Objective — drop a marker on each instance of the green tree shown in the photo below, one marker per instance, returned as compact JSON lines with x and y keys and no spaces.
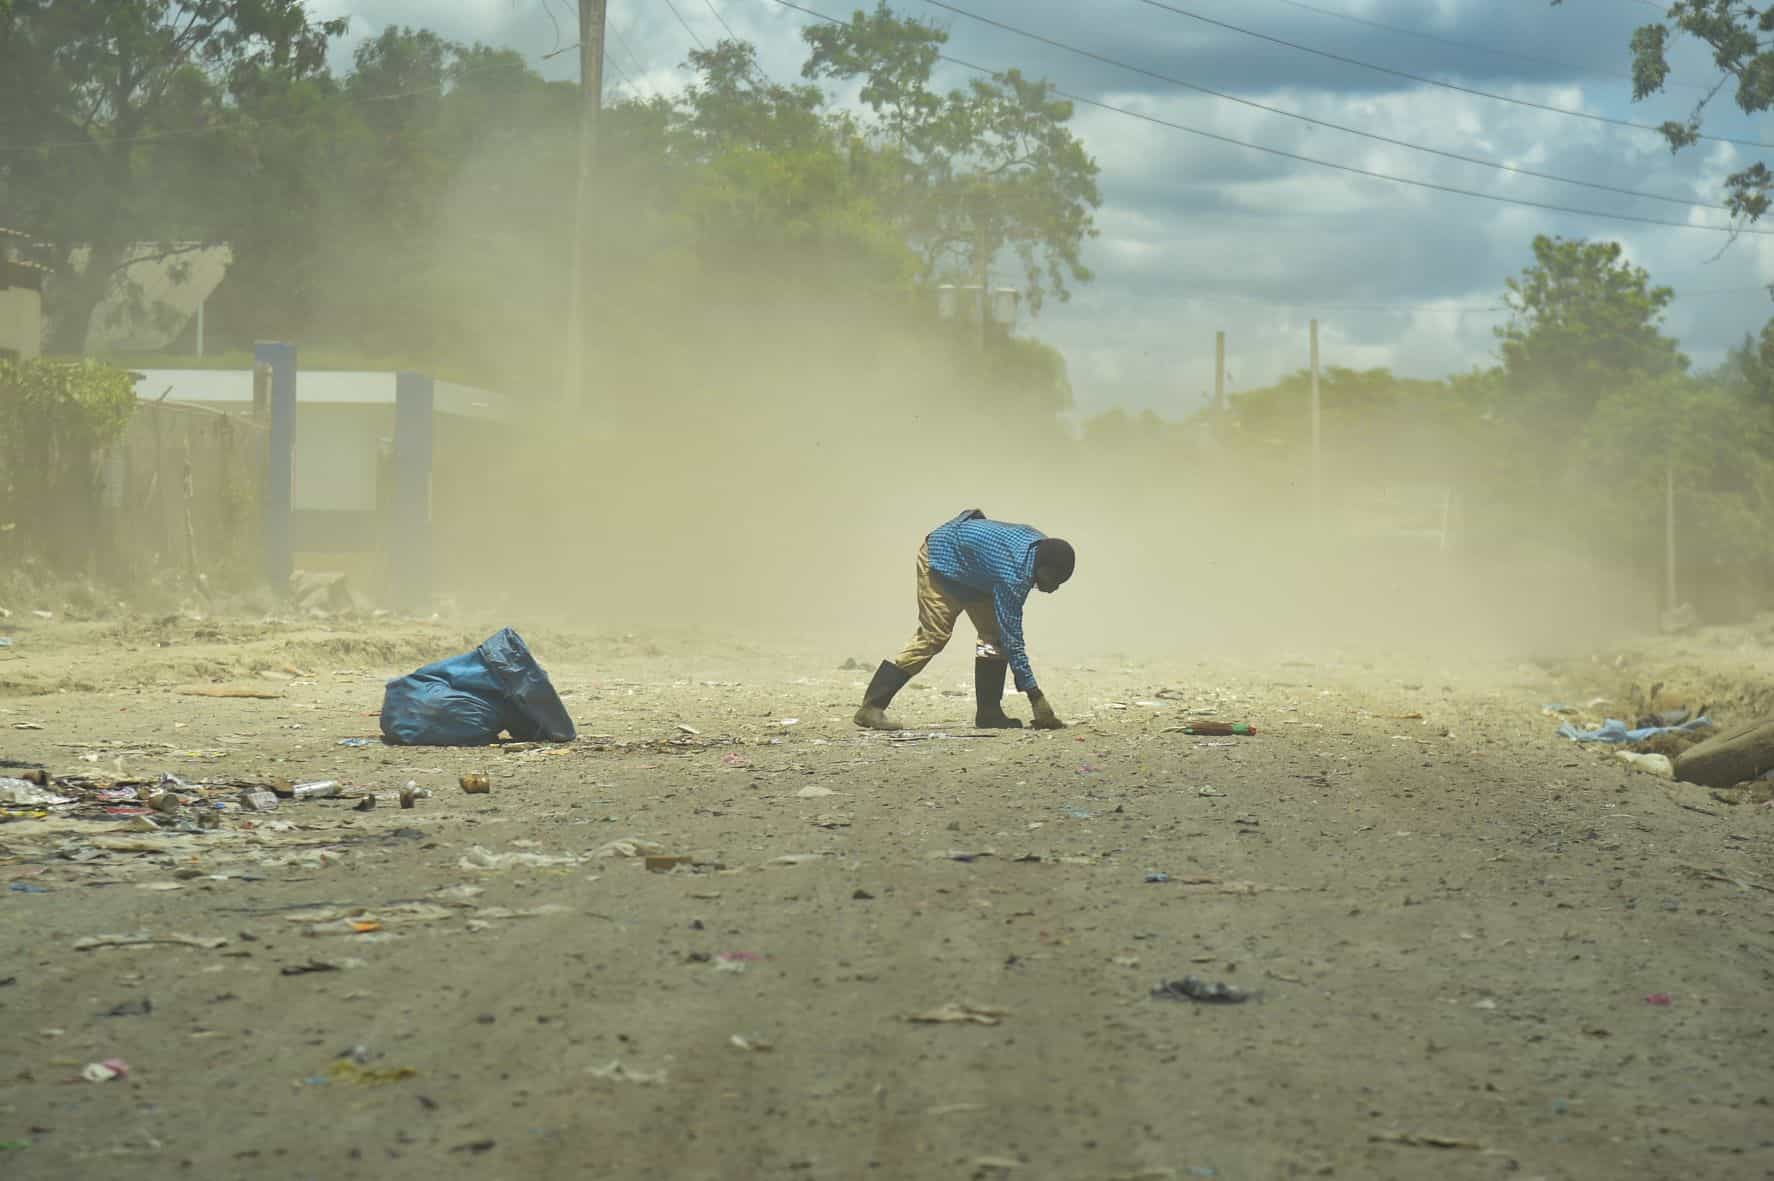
{"x":1738,"y":35}
{"x":1584,"y":322}
{"x":974,"y":171}
{"x":91,"y":90}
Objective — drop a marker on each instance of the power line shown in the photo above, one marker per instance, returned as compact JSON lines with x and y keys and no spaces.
{"x":1427,"y":81}
{"x":634,"y":59}
{"x":1385,"y":139}
{"x":685,"y":23}
{"x":1348,"y":168}
{"x":1472,"y":45}
{"x":717,"y":15}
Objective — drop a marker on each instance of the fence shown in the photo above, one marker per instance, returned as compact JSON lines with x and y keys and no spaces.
{"x":181,"y":492}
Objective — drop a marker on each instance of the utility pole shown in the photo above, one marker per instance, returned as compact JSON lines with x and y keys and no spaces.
{"x":1317,"y":456}
{"x":1669,"y":599}
{"x":985,"y":299}
{"x":1219,"y":385}
{"x":591,"y":93}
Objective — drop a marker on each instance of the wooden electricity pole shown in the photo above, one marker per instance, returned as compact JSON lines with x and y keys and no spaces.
{"x":1219,"y":384}
{"x":591,"y":92}
{"x":1669,"y":597}
{"x":1317,"y":459}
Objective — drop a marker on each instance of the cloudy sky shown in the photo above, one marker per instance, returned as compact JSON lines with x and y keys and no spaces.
{"x":1199,"y":235}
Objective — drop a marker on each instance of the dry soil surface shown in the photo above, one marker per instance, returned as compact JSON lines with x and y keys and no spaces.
{"x":1470,"y":948}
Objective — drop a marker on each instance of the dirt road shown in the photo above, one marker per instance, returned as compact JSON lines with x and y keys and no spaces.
{"x":1472,"y":949}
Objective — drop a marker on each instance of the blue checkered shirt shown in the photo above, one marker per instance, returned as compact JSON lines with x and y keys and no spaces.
{"x":997,"y":559}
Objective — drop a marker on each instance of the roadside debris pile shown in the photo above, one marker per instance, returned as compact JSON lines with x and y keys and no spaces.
{"x":1685,"y":744}
{"x":168,"y":802}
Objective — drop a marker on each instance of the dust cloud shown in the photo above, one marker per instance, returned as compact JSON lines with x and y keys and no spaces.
{"x":775,"y":485}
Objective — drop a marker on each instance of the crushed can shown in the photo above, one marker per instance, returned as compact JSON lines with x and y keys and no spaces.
{"x":257,"y":800}
{"x":475,"y":783}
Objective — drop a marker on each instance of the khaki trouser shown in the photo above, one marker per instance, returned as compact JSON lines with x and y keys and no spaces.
{"x":938,"y":610}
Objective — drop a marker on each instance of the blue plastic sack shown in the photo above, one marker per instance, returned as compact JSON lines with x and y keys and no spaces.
{"x":469,"y":700}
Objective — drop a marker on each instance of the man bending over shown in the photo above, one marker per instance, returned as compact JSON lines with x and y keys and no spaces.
{"x":987,"y":569}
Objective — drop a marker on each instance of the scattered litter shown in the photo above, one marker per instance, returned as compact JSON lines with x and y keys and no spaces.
{"x":752,"y":1043}
{"x":629,"y":847}
{"x":995,"y":1164}
{"x":614,"y":1071}
{"x":367,"y":804}
{"x":476,"y":783}
{"x":926,"y":736}
{"x":789,"y":722}
{"x":147,"y":939}
{"x":1661,"y":999}
{"x":23,"y":792}
{"x":1422,"y":1140}
{"x":27,"y":888}
{"x":104,"y":1072}
{"x":319,"y":790}
{"x":1193,"y":988}
{"x":257,"y":800}
{"x":1655,"y":764}
{"x":310,"y":967}
{"x":814,"y":792}
{"x":478,"y":857}
{"x":359,"y":742}
{"x":690,"y":730}
{"x":345,"y":1070}
{"x":469,"y":700}
{"x":1210,"y":790}
{"x":796,"y":859}
{"x":960,"y":1014}
{"x":139,"y":1008}
{"x":1214,"y":729}
{"x":1157,"y":876}
{"x":1615,"y":731}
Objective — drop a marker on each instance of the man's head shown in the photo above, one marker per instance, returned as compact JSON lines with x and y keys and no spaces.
{"x":1054,"y":560}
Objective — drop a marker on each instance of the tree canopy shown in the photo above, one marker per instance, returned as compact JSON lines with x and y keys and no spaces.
{"x":1584,"y":321}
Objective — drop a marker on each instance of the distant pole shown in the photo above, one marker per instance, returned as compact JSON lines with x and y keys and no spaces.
{"x":591,"y":91}
{"x":1317,"y":452}
{"x":1219,"y":373}
{"x":1219,"y":382}
{"x":276,"y":499}
{"x":200,"y":304}
{"x":1669,"y":600}
{"x":985,"y":304}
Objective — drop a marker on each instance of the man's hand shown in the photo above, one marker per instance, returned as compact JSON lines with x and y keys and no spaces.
{"x":1045,"y":718}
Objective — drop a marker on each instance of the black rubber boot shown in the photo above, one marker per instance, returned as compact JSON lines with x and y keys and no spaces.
{"x":888,"y":680}
{"x":988,"y":692}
